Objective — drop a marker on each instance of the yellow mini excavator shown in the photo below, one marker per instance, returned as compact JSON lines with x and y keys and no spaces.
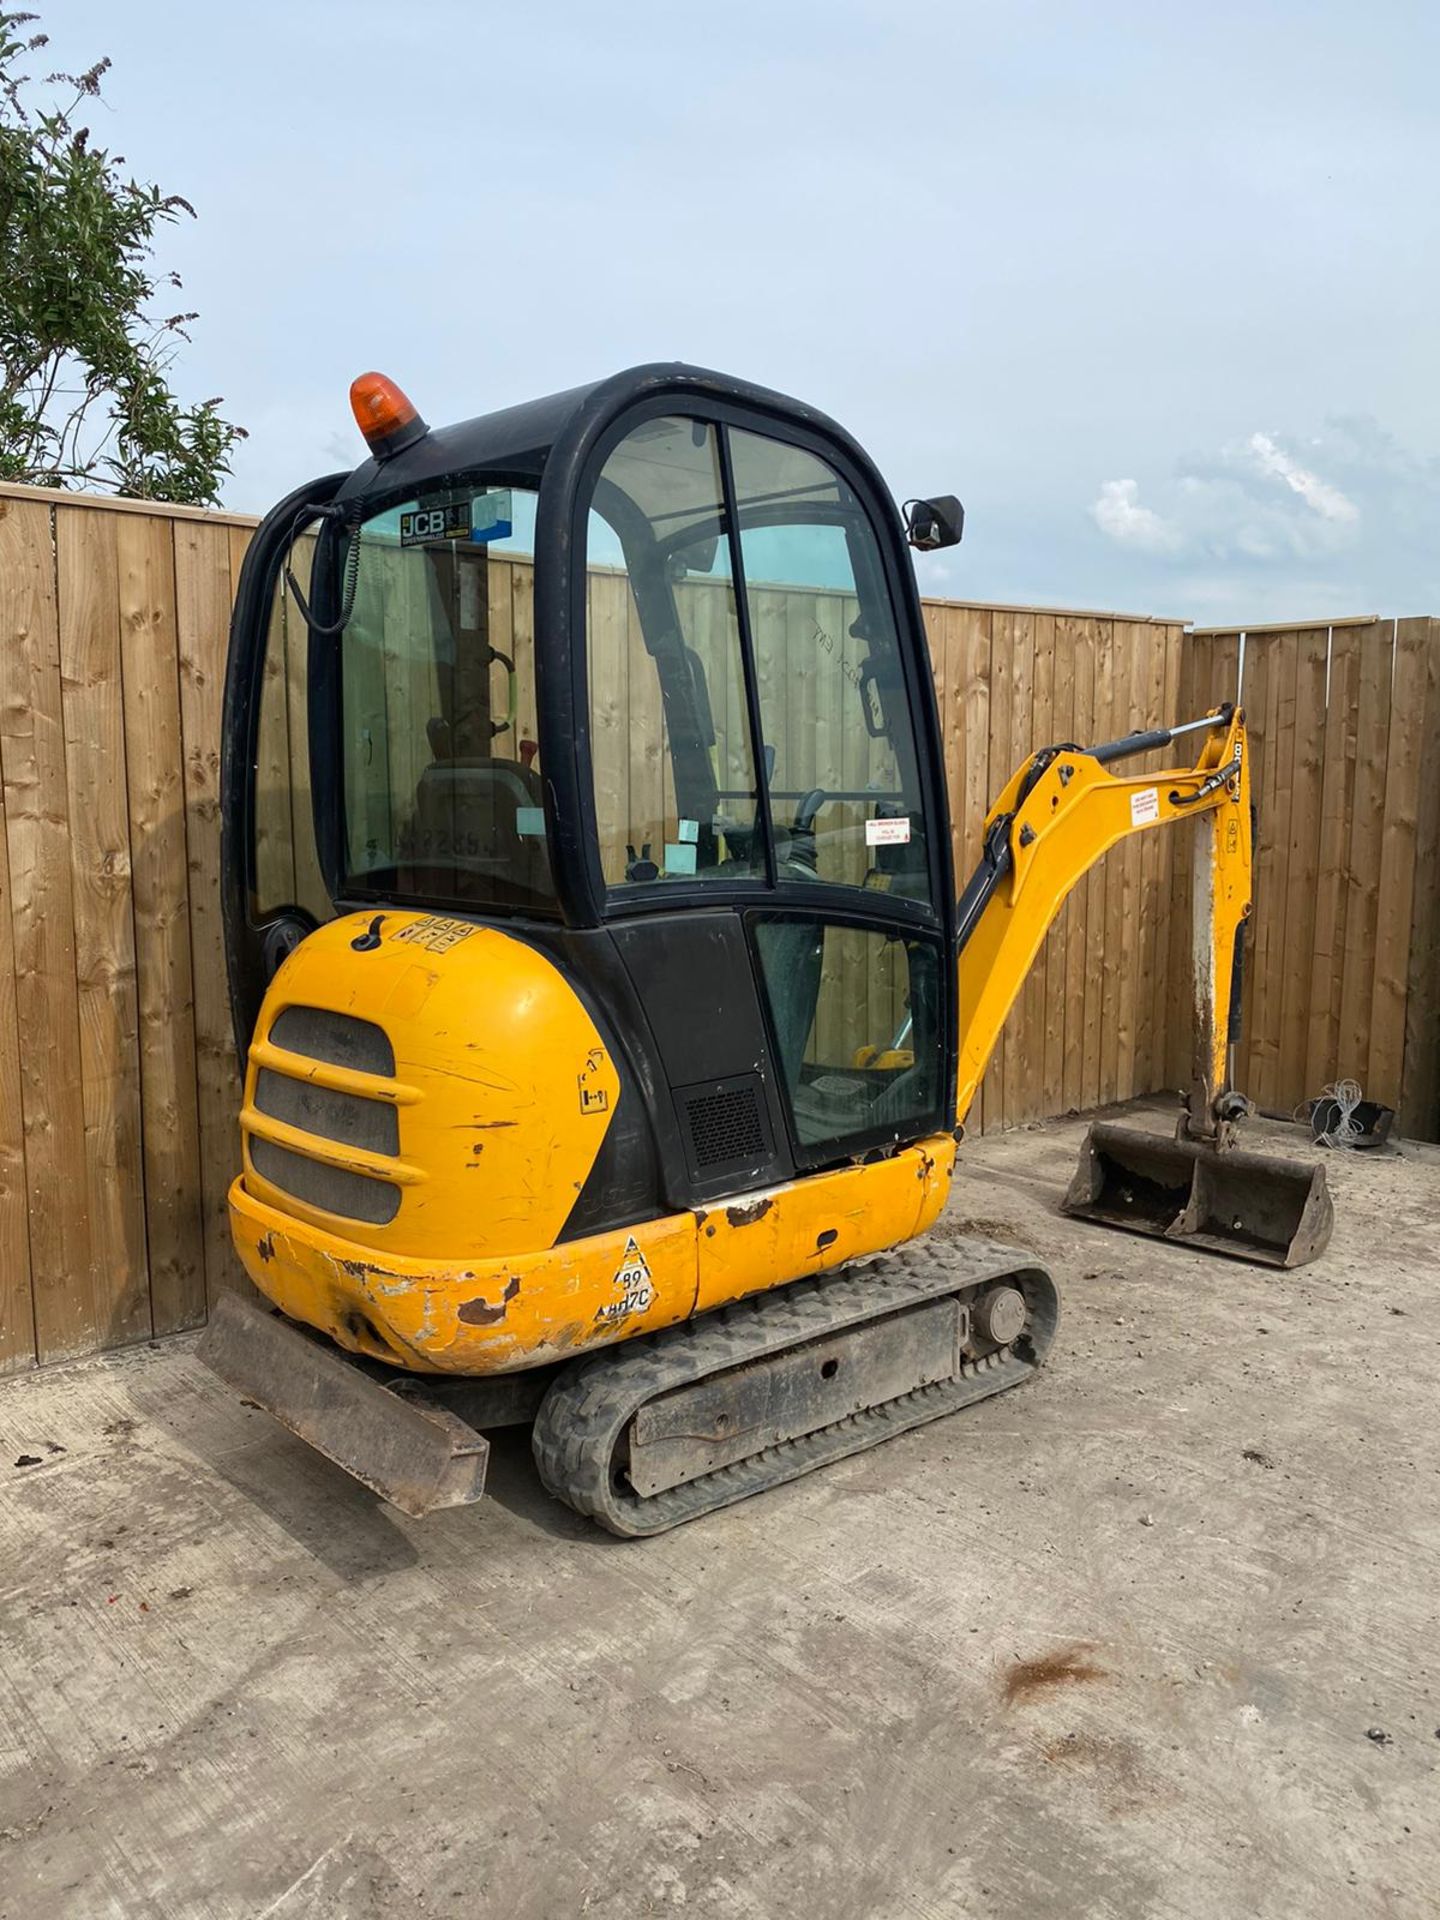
{"x":608,"y":1041}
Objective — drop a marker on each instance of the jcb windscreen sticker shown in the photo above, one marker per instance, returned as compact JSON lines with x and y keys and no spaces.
{"x":435,"y":933}
{"x":450,"y":521}
{"x":1144,"y":806}
{"x":637,"y":1292}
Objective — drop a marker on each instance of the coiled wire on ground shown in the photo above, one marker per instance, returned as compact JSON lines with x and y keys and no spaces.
{"x":1347,"y":1130}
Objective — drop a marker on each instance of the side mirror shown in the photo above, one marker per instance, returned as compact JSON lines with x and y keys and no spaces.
{"x":934,"y":523}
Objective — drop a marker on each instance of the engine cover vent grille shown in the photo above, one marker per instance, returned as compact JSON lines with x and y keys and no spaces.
{"x":338,"y":1039}
{"x":352,"y":1196}
{"x":347,"y":1117}
{"x":727,"y":1128}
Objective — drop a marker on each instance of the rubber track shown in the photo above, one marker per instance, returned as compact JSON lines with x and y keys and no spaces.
{"x":584,"y":1416}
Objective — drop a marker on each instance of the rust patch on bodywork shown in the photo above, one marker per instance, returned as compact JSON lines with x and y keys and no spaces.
{"x":479,"y":1313}
{"x":358,"y":1269}
{"x":746,"y":1212}
{"x":265,"y":1247}
{"x":1068,"y":1667}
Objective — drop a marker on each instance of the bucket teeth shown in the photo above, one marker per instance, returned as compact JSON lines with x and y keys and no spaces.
{"x":1251,"y":1206}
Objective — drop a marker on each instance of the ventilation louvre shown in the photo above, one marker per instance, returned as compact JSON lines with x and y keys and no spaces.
{"x":350,"y":1196}
{"x":338,"y":1039}
{"x":349,"y":1118}
{"x":727,"y":1128}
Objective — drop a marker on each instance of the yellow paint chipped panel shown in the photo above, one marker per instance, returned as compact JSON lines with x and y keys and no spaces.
{"x":498,"y":1315}
{"x":809,"y":1226}
{"x":473,"y":1315}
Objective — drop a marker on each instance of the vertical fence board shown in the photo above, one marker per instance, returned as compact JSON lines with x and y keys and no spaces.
{"x":1112,"y":700}
{"x":173,"y":1202}
{"x":203,"y":587}
{"x":1034,"y":997}
{"x":1015,"y":1041}
{"x":1060,"y":729}
{"x":1367,"y":826}
{"x":32,"y":763}
{"x":1397,"y":862}
{"x":1078,"y":636}
{"x":17,"y":1309}
{"x":1337,"y":797}
{"x":95,"y":756}
{"x":1420,"y":1085}
{"x":1263,"y":671}
{"x":1131,"y":686}
{"x":1158,"y":863}
{"x":1302,"y":859}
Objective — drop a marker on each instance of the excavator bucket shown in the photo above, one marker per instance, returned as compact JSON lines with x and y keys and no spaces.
{"x":1252,"y":1206}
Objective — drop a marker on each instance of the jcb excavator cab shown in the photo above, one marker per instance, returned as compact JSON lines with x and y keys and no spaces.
{"x":637,"y":673}
{"x":596,"y":962}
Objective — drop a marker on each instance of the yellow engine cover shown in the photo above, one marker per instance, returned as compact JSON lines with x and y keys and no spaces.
{"x":424,"y":1100}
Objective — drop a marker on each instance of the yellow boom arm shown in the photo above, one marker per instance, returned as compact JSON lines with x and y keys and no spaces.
{"x":1059,"y":812}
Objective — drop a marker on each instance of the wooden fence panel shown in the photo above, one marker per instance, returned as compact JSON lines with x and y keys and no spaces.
{"x":99,"y":817}
{"x":32,"y":770}
{"x":1337,"y":796}
{"x":1397,"y":862}
{"x":1343,"y":963}
{"x":207,"y":567}
{"x":1420,"y":1084}
{"x":162,"y":924}
{"x":17,"y":1313}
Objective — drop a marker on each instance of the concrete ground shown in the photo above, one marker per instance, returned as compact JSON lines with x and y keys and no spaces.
{"x":1153,"y":1636}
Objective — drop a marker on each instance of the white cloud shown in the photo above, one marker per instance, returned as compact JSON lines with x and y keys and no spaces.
{"x":1317,"y":494}
{"x":1119,"y":515}
{"x":1253,"y":505}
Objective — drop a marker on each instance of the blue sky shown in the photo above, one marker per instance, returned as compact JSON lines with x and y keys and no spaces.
{"x":1155,"y":288}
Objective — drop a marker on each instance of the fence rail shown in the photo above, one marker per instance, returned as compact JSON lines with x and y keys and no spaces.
{"x":118,"y":1087}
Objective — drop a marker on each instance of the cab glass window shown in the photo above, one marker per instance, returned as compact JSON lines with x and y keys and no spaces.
{"x":838,"y":739}
{"x":442,"y":786}
{"x":855,"y":1014}
{"x":673,"y":762}
{"x":287,"y":861}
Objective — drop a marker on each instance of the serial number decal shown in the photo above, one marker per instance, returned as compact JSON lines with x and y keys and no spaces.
{"x":435,"y":933}
{"x":633,"y":1277}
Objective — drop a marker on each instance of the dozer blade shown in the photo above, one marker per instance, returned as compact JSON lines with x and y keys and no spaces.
{"x":414,"y":1454}
{"x":1252,"y":1206}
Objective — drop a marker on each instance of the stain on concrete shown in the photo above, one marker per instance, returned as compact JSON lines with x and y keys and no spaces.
{"x":1067,"y":1667}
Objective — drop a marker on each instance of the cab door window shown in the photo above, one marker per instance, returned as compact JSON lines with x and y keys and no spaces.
{"x":839,"y":743}
{"x":855,"y":1013}
{"x":670,"y":746}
